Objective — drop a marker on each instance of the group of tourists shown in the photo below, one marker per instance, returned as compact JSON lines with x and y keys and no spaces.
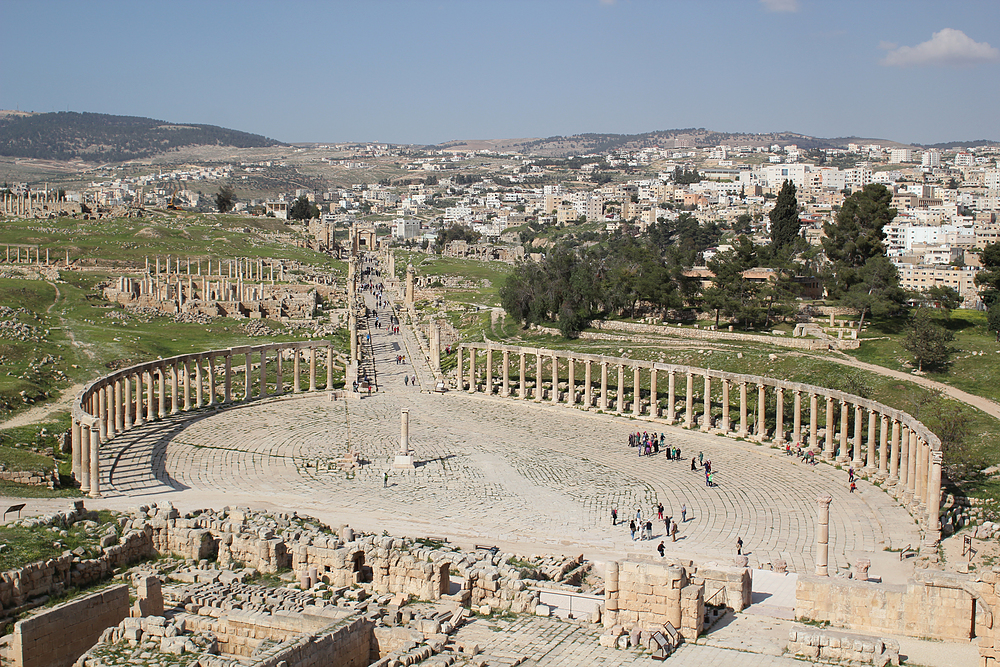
{"x":644,"y":529}
{"x":651,"y":444}
{"x":805,"y":455}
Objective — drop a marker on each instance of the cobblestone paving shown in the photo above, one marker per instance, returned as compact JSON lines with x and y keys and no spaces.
{"x":556,"y":643}
{"x":500,"y":470}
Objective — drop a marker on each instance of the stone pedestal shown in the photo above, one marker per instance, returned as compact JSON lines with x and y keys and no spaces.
{"x":404,"y":459}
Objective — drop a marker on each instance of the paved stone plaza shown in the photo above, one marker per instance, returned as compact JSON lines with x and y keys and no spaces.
{"x":499,"y":471}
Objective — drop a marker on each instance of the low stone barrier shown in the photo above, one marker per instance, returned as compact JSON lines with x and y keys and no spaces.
{"x":59,"y":636}
{"x":835,"y":646}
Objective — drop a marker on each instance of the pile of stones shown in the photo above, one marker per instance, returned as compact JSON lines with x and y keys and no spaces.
{"x":853,"y":649}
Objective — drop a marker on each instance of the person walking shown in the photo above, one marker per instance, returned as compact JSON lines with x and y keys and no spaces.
{"x":659,"y":511}
{"x":739,"y":546}
{"x":701,"y":457}
{"x":614,"y":516}
{"x":406,"y":380}
{"x":649,"y":530}
{"x":631,"y":527}
{"x":659,"y":547}
{"x":684,"y":511}
{"x":694,"y":465}
{"x":673,"y":532}
{"x":666,"y":525}
{"x":385,"y":479}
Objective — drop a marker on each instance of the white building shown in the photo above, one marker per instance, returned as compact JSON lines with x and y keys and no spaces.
{"x":406,"y":228}
{"x":900,"y":155}
{"x":931,"y":158}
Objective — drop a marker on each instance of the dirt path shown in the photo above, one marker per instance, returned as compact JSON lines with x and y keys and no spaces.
{"x":991,"y":408}
{"x":41,"y":412}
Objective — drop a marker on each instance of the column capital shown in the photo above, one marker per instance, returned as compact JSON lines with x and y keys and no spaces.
{"x":824,"y":499}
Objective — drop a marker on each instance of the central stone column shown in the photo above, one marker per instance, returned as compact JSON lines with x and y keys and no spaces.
{"x":460,"y":369}
{"x":296,"y":371}
{"x":187,"y":384}
{"x":247,"y":377}
{"x":571,"y":381}
{"x":263,"y":373}
{"x":404,"y":459}
{"x":894,"y":454}
{"x":856,"y":461}
{"x":199,"y":398}
{"x":797,"y":418}
{"x":127,"y":397}
{"x":538,"y":377}
{"x":933,"y":533}
{"x":671,"y":395}
{"x":636,"y":392}
{"x":588,"y":379}
{"x":620,"y":395}
{"x":743,"y":409}
{"x":604,"y":386}
{"x":813,"y":420}
{"x":312,"y":372}
{"x":872,"y":461}
{"x":85,"y":439}
{"x":472,"y":369}
{"x":842,"y":455}
{"x":823,"y":535}
{"x":95,"y":464}
{"x":654,"y":408}
{"x":489,"y":370}
{"x":761,"y":409}
{"x":883,"y":448}
{"x":555,"y":379}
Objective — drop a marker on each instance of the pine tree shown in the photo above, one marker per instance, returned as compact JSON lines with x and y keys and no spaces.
{"x":785,"y":224}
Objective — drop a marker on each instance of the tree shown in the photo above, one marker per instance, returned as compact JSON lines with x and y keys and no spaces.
{"x":876,"y":291}
{"x":988,"y":278}
{"x":993,"y":319}
{"x":225,"y":199}
{"x":944,"y":297}
{"x":857,"y":235}
{"x":303,"y":209}
{"x":785,"y":224}
{"x":927,"y":340}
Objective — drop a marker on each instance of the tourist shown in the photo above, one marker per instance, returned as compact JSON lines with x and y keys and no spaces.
{"x":850,"y":475}
{"x":684,"y":511}
{"x":614,"y":516}
{"x":673,"y":532}
{"x":694,"y":466}
{"x":385,"y":479}
{"x":659,"y":547}
{"x":854,"y":487}
{"x":649,"y":530}
{"x":739,"y":546}
{"x":711,"y":479}
{"x":659,"y":511}
{"x":701,"y":457}
{"x":406,"y":380}
{"x":413,"y":380}
{"x":631,"y":527}
{"x":707,"y":477}
{"x":666,"y":525}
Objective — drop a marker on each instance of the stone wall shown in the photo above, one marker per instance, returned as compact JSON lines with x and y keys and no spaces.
{"x":346,"y":643}
{"x":649,"y":595}
{"x":932,"y":604}
{"x":707,"y":334}
{"x":61,"y":635}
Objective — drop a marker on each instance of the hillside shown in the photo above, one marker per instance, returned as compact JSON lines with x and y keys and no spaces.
{"x":96,"y":137}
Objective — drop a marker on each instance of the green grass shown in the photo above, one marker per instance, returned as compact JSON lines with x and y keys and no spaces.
{"x":28,"y":545}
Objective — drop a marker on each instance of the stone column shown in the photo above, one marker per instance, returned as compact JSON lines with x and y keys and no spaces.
{"x":296,"y":371}
{"x":636,"y":392}
{"x":570,"y":381}
{"x":187,"y":384}
{"x":920,"y":488}
{"x":654,"y":408}
{"x":604,"y":386}
{"x":823,"y":535}
{"x":489,"y":370}
{"x":904,"y":464}
{"x":522,"y":369}
{"x":912,"y":465}
{"x":813,"y":420}
{"x":95,"y":465}
{"x":932,"y":534}
{"x":588,"y":379}
{"x":248,"y":377}
{"x":162,"y":391}
{"x":263,"y":372}
{"x":797,"y":418}
{"x":538,"y":376}
{"x":671,"y":395}
{"x":151,"y":414}
{"x":894,"y":455}
{"x":761,"y":405}
{"x":555,"y":379}
{"x":725,"y":407}
{"x":330,"y":356}
{"x":435,"y":345}
{"x":312,"y":372}
{"x":199,"y":381}
{"x":856,"y":461}
{"x":472,"y":369}
{"x":620,"y":396}
{"x":76,"y":435}
{"x":842,"y":453}
{"x":828,"y":446}
{"x":689,"y":402}
{"x":174,"y":403}
{"x":871,"y":452}
{"x":114,"y":409}
{"x":743,"y":410}
{"x":228,"y":389}
{"x":460,"y":367}
{"x":779,"y":416}
{"x":102,"y":414}
{"x":505,"y":387}
{"x":883,"y":448}
{"x":129,"y":405}
{"x":86,"y":436}
{"x":706,"y":420}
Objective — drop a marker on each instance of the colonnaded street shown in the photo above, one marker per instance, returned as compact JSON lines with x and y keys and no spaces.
{"x":498,"y":471}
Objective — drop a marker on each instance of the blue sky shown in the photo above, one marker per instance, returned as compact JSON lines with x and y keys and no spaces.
{"x":425,"y":72}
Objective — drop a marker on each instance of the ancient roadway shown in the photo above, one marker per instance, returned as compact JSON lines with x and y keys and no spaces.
{"x":493,"y":470}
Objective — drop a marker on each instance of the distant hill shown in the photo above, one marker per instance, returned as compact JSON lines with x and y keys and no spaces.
{"x":581,"y":144}
{"x":97,"y":137}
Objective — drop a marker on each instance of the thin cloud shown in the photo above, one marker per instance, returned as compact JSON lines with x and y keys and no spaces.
{"x":607,"y":2}
{"x":947,"y":47}
{"x":780,"y":5}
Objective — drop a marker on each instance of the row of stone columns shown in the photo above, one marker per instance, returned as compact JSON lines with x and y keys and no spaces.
{"x":120,"y":403}
{"x":888,"y":449}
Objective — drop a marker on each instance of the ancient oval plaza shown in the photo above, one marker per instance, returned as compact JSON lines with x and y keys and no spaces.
{"x":527,"y":451}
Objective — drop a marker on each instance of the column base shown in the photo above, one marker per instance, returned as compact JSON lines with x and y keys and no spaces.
{"x":843,"y":459}
{"x":403,"y":462}
{"x":857,"y":465}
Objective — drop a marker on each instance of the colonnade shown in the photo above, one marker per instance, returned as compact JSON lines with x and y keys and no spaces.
{"x":888,"y":445}
{"x":147,"y":392}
